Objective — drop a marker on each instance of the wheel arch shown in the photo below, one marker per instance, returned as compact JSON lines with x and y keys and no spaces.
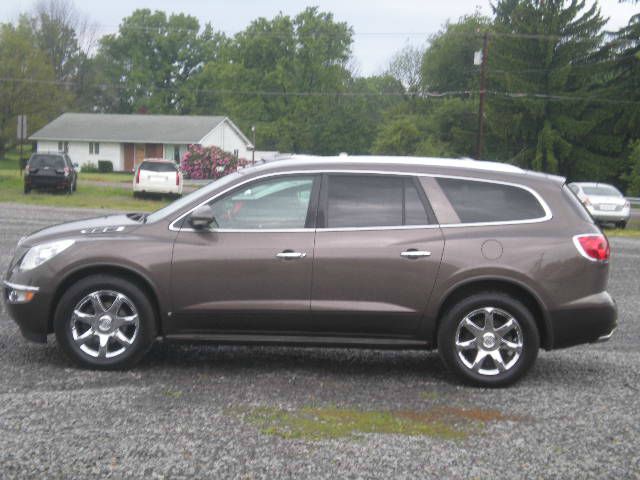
{"x":116,"y":270}
{"x":512,"y":287}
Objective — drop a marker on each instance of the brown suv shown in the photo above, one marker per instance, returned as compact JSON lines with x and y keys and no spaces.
{"x":484,"y":261}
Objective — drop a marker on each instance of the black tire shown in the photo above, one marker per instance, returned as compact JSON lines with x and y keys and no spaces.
{"x":27,"y":190}
{"x":75,"y":185}
{"x":529,"y":338}
{"x":621,"y":225}
{"x":142,"y":340}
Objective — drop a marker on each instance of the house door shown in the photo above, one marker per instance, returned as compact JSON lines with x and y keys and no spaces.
{"x":139,"y":154}
{"x":153,"y":150}
{"x":129,"y":154}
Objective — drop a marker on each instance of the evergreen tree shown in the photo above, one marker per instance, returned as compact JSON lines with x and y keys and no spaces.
{"x":542,"y":55}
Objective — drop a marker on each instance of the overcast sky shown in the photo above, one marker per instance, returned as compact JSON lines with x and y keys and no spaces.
{"x":382,"y":27}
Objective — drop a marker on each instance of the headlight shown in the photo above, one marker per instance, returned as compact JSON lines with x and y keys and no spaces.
{"x":41,"y":253}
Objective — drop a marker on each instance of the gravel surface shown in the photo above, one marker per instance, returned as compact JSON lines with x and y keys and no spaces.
{"x":179,"y":414}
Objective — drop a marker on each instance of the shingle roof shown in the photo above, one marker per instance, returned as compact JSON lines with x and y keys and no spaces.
{"x":128,"y":128}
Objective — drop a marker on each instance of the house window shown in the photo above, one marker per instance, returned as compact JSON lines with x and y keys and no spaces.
{"x":176,"y":153}
{"x":94,"y":148}
{"x":236,"y":153}
{"x":63,"y":147}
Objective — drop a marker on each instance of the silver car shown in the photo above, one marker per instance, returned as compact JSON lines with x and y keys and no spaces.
{"x":604,"y":202}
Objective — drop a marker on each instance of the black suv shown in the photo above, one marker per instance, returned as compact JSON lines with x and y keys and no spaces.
{"x":50,"y":170}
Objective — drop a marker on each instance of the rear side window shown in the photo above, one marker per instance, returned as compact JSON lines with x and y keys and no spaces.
{"x":158,"y":166}
{"x":52,"y":161}
{"x":356,"y":201}
{"x":479,"y":202}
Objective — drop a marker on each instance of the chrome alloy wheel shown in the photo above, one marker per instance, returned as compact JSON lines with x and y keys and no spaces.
{"x":104,"y":324}
{"x":489,"y":341}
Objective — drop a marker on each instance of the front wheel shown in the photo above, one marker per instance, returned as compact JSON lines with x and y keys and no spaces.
{"x":621,"y":225}
{"x":489,"y":339}
{"x":105,"y":322}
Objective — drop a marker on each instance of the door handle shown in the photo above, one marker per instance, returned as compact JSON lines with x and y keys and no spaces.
{"x":290,"y":255}
{"x":415,"y":254}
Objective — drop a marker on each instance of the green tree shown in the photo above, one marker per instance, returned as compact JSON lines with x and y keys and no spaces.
{"x":541,"y":56}
{"x":28,"y":85}
{"x":447,"y":64}
{"x":289,"y":77}
{"x":147,"y":65}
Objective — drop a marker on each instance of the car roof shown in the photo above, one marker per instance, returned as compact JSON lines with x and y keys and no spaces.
{"x":158,"y":160}
{"x":311,"y":160}
{"x":592,"y":184}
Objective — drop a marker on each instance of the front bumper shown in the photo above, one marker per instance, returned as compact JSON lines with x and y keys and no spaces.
{"x":587,"y":320}
{"x":31,"y":316}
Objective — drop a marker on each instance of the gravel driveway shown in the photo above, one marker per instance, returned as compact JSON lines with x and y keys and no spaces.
{"x":232,"y":412}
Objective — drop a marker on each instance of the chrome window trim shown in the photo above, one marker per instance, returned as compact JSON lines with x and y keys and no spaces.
{"x":24,"y":288}
{"x":548,"y":215}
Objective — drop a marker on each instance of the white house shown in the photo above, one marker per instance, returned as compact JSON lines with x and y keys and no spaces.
{"x":126,"y":140}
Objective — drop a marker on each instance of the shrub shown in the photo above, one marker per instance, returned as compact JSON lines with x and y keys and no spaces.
{"x":200,"y":162}
{"x":105,"y":166}
{"x":90,"y":167}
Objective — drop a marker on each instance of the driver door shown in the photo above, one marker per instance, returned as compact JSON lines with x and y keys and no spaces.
{"x":252,"y":270}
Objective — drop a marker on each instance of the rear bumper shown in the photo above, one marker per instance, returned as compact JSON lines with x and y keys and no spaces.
{"x":604,"y":216}
{"x":587,"y":320}
{"x":160,"y":188}
{"x":48,"y":182}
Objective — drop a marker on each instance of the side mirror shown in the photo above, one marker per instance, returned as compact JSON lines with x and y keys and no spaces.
{"x":202,"y":217}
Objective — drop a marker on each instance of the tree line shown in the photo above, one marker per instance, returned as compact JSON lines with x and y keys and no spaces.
{"x":562,"y":93}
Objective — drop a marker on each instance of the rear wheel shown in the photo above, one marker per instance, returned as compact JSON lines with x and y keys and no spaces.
{"x":621,"y":225}
{"x":105,"y":322}
{"x":489,"y":339}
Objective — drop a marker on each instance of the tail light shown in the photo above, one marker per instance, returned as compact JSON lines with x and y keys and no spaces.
{"x":594,"y":247}
{"x":138,"y":175}
{"x":177,"y":178}
{"x":66,"y":171}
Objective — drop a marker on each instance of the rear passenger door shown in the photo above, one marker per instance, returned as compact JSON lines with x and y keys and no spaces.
{"x":377,"y":254}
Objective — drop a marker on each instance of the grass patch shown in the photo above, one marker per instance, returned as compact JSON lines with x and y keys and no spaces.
{"x":627,"y":232}
{"x":447,"y":423}
{"x":111,"y":198}
{"x":120,"y":177}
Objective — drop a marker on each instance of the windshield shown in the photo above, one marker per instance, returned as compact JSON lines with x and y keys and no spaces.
{"x":158,"y":166}
{"x":183,"y":202}
{"x":602,"y":190}
{"x":40,"y":161}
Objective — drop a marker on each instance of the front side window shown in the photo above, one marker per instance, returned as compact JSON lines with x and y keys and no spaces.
{"x":277,"y":203}
{"x":484,"y":202}
{"x":360,"y":201}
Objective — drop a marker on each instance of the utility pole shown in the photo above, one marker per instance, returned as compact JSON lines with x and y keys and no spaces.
{"x":253,"y":151}
{"x":483,"y":92}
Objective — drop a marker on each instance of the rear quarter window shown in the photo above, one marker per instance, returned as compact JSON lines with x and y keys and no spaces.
{"x":576,"y":205}
{"x":481,"y":202}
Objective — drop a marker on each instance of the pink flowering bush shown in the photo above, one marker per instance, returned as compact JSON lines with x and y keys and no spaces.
{"x":208,"y":163}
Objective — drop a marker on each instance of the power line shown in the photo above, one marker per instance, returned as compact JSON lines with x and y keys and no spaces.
{"x":421,"y":94}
